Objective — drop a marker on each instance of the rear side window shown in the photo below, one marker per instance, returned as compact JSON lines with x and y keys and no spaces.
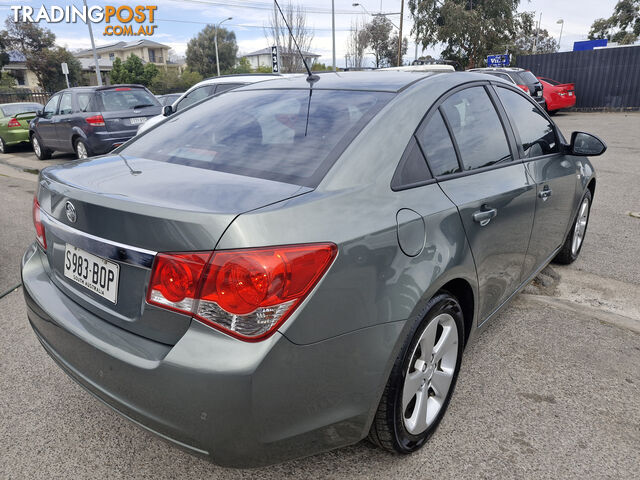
{"x":537,"y":135}
{"x":412,"y":170}
{"x":290,"y":136}
{"x":437,"y":146}
{"x":125,"y":98}
{"x":476,"y":128}
{"x":84,"y":101}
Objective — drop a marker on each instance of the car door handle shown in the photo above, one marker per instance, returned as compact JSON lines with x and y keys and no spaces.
{"x":545,"y":193}
{"x":483,"y":217}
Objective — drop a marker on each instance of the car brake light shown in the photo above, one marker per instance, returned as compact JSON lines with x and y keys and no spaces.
{"x":246,"y":293}
{"x":122,"y":89}
{"x":37,"y":223}
{"x":96,"y":120}
{"x":14,"y":123}
{"x":525,"y":88}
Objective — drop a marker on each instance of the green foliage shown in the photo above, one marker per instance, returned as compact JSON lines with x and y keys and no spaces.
{"x":170,"y":81}
{"x":320,"y":67}
{"x":243,"y":66}
{"x":7,"y":82}
{"x":263,"y":69}
{"x":623,"y":26}
{"x":201,"y":54}
{"x":132,"y":70}
{"x":469,"y":30}
{"x":384,"y":45}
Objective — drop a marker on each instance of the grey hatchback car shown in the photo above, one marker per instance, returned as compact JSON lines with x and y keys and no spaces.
{"x":307,"y":270}
{"x":91,"y":120}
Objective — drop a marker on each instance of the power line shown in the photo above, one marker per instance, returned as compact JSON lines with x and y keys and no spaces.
{"x":244,"y":25}
{"x":263,"y":6}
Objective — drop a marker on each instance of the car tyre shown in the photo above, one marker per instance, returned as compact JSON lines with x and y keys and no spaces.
{"x":41,"y":151}
{"x":405,"y":420}
{"x":82,"y":149}
{"x":575,"y":238}
{"x":3,"y":146}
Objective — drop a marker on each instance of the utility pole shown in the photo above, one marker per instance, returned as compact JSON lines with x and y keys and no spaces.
{"x":400,"y":33}
{"x":535,"y":43}
{"x":333,"y":32}
{"x":93,"y":47}
{"x":561,"y":22}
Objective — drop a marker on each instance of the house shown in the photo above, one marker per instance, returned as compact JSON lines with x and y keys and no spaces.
{"x":262,"y":58}
{"x":17,"y":68}
{"x":147,"y":50}
{"x":89,"y":70}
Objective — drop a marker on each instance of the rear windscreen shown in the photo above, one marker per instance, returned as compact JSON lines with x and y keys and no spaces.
{"x":284,"y":135}
{"x":528,"y":78}
{"x":126,"y":99}
{"x":11,"y":110}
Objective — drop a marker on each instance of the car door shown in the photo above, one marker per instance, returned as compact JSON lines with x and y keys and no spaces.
{"x":46,"y":128}
{"x":63,"y":123}
{"x":482,"y":176}
{"x":553,"y":173}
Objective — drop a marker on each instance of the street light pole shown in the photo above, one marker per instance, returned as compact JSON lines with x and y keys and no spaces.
{"x":333,"y":32}
{"x":400,"y":33}
{"x":215,"y":42}
{"x":93,"y":47}
{"x":561,"y":22}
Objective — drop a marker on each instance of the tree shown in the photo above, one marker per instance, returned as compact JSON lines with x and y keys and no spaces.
{"x":357,"y":42}
{"x":42,"y":57}
{"x":170,"y":81}
{"x":391,"y":55}
{"x":470,"y":29}
{"x":277,"y":33}
{"x":132,"y":70}
{"x":243,"y":66}
{"x":622,"y":27}
{"x":527,"y":36}
{"x":379,"y":34}
{"x":201,"y":53}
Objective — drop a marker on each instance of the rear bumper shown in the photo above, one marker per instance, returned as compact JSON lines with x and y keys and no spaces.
{"x":557,"y":102}
{"x":240,"y":404}
{"x":15,"y":135}
{"x":103,"y":142}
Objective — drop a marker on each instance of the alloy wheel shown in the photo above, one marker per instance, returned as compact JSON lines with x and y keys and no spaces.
{"x":1,"y":145}
{"x":36,"y":146}
{"x":81,"y":150}
{"x":430,"y":374}
{"x":580,"y":227}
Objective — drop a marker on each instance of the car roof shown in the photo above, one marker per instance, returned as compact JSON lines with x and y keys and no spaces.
{"x":242,"y":78}
{"x":497,"y":69}
{"x":382,"y":81}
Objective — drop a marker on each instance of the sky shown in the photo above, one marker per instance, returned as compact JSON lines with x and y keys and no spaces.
{"x":179,"y":20}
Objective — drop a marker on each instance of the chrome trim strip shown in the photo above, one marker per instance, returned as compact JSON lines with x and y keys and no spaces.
{"x":102,"y":247}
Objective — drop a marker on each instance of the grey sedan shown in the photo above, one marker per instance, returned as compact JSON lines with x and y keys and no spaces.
{"x":307,"y":270}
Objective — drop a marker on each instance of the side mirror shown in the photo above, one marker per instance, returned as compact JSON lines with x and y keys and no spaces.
{"x":584,"y":144}
{"x":167,"y":110}
{"x":39,"y":113}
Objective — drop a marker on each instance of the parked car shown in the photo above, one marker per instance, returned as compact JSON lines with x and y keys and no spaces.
{"x":299,"y":276}
{"x":169,"y":98}
{"x":205,"y":89}
{"x":524,"y":79}
{"x":91,"y":120}
{"x":14,"y":123}
{"x":558,"y":95}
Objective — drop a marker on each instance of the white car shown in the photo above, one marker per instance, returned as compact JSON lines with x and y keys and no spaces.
{"x":208,"y":88}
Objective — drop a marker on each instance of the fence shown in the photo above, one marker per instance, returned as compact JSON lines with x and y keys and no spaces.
{"x":606,"y":79}
{"x":20,"y":95}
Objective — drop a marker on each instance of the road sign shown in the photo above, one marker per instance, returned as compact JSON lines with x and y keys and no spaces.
{"x":65,"y":69}
{"x":275,"y":68}
{"x":498,"y":60}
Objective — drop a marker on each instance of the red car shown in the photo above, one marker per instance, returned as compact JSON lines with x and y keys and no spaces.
{"x":558,"y":95}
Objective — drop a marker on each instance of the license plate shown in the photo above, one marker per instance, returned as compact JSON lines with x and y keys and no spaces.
{"x":137,"y":120}
{"x":570,"y":94}
{"x":92,"y":272}
{"x":539,"y":93}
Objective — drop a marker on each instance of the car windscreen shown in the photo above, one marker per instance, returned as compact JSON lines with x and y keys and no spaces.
{"x":126,"y":98}
{"x":11,"y":110}
{"x":291,"y":136}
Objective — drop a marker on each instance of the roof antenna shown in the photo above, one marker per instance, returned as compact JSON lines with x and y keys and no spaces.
{"x":311,"y":78}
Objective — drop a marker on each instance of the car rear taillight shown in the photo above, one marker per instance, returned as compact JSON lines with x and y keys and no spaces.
{"x":525,"y":88}
{"x":37,"y":223}
{"x":14,"y":123}
{"x":96,"y":121}
{"x":246,"y":293}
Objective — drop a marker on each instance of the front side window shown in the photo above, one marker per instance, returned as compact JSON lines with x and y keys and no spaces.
{"x":537,"y":135}
{"x":66,"y":106}
{"x":51,"y":107}
{"x":477,"y":128}
{"x":194,"y":96}
{"x":289,"y":136}
{"x":437,"y":146}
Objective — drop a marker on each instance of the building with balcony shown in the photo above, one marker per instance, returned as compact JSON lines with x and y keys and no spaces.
{"x":147,"y":50}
